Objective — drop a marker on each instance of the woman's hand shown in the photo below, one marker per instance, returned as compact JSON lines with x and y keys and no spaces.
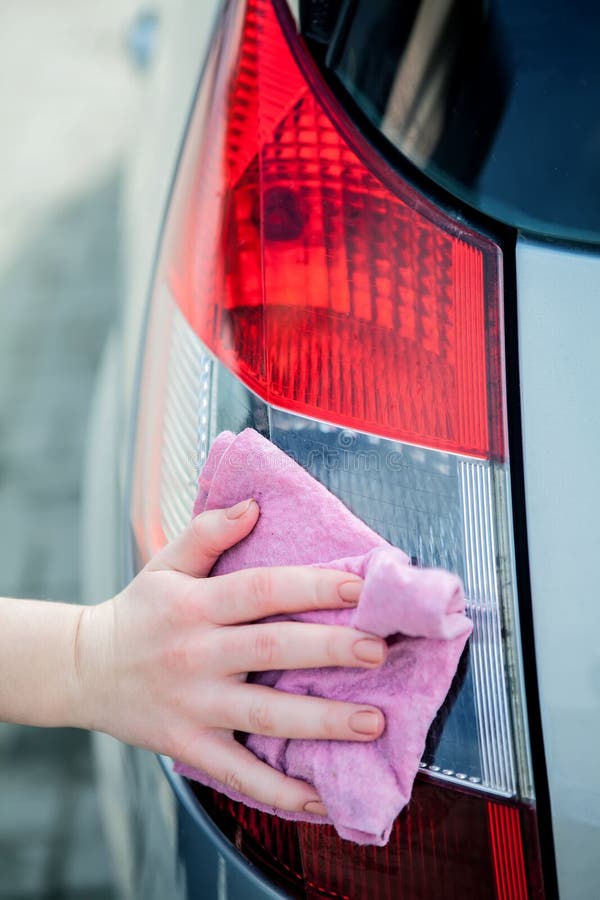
{"x":163,"y":665}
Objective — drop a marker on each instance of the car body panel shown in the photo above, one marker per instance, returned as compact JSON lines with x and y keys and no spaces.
{"x":138,"y":808}
{"x":559,"y":324}
{"x":184,"y":34}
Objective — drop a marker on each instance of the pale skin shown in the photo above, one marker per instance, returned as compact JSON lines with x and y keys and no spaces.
{"x":163,"y":664}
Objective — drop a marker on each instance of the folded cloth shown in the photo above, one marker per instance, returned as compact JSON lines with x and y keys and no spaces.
{"x":420,"y":611}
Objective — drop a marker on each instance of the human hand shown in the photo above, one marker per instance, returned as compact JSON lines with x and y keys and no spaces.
{"x":163,"y":665}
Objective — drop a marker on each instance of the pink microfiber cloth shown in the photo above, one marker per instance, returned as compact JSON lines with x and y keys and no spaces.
{"x":421,"y":611}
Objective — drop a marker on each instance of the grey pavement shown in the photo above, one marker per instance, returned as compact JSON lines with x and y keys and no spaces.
{"x":66,"y":94}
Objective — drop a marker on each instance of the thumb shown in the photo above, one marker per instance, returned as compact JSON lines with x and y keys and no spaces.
{"x":195,"y":551}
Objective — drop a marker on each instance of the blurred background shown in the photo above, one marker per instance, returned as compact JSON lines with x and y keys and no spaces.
{"x":69,"y":94}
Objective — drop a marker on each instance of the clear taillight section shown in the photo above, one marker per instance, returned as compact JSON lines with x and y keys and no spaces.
{"x":307,"y":291}
{"x":441,"y":508}
{"x":175,"y":427}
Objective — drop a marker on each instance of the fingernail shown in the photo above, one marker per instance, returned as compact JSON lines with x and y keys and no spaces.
{"x":315,"y":807}
{"x":365,"y":721}
{"x":237,"y":511}
{"x":349,"y":591}
{"x":369,"y":650}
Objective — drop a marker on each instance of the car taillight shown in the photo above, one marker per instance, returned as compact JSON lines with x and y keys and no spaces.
{"x":324,"y":281}
{"x":306,"y":290}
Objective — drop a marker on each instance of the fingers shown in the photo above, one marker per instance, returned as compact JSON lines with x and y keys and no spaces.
{"x":292,"y":645}
{"x":253,"y":594}
{"x":257,"y":709}
{"x":237,"y":768}
{"x":197,"y":549}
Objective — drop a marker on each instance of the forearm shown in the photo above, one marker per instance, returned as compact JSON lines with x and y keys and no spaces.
{"x":39,"y":682}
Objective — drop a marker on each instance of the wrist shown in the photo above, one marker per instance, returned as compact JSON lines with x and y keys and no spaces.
{"x":91,"y":667}
{"x":38,"y":678}
{"x":60,"y":702}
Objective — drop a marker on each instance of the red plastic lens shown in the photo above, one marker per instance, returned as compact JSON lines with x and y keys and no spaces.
{"x":446,"y":843}
{"x":330,"y":286}
{"x":507,"y":852}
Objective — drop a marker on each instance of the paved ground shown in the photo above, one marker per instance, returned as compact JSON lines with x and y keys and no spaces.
{"x":66,"y":95}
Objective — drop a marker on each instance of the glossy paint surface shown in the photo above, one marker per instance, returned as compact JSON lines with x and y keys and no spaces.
{"x":559,"y":323}
{"x":495,"y":101}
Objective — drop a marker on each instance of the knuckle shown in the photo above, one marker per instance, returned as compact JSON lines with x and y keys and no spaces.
{"x":187,"y":605}
{"x":320,"y":589}
{"x":205,"y":535}
{"x":282,"y":800}
{"x":333,"y":647}
{"x":260,"y":719}
{"x":232,"y":780}
{"x":333,"y":725}
{"x":265,"y":647}
{"x":212,"y":650}
{"x":176,"y":656}
{"x":259,"y":590}
{"x":198,"y":526}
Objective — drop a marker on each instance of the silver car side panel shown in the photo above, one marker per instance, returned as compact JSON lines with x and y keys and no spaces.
{"x":559,"y":352}
{"x":184,"y":34}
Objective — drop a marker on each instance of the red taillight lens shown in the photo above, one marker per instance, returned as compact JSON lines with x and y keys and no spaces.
{"x":446,"y":844}
{"x":328,"y":284}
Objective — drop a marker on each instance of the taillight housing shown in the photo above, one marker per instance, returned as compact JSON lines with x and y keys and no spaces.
{"x":306,"y":289}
